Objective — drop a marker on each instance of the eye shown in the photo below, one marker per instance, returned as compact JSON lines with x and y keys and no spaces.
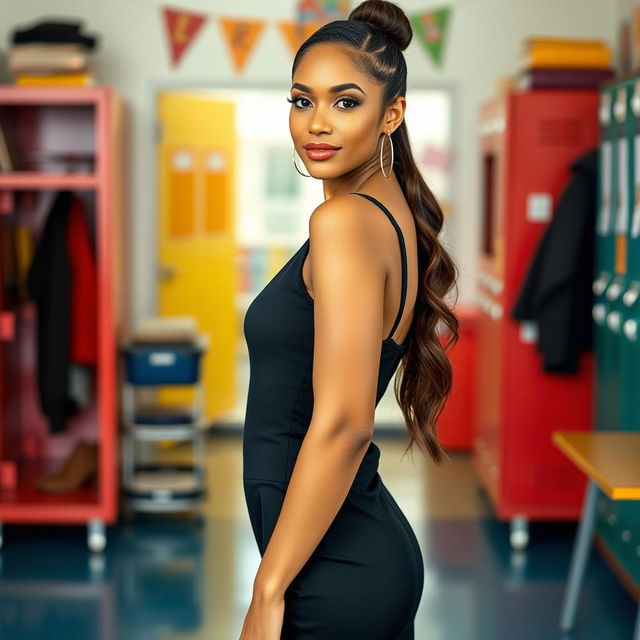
{"x":352,"y":101}
{"x":295,"y":100}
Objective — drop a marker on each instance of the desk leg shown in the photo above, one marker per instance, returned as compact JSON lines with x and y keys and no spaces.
{"x":580,"y":556}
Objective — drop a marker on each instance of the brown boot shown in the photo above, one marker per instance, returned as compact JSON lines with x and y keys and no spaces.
{"x":81,"y":466}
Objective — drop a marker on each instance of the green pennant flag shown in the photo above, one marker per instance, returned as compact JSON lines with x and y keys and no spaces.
{"x":431,"y":28}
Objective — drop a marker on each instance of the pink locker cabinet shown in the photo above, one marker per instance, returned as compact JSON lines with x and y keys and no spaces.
{"x":528,"y":140}
{"x":61,"y":138}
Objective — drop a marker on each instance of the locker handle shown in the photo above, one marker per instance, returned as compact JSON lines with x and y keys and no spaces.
{"x":600,"y":284}
{"x":630,"y":328}
{"x":630,"y":296}
{"x":614,"y":290}
{"x":599,"y":313}
{"x":613,"y":321}
{"x":620,"y":111}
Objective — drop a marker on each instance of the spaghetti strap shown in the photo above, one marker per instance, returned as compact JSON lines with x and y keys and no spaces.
{"x":403,"y":251}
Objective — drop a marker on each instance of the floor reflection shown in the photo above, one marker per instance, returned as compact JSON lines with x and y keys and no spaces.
{"x":182,"y":577}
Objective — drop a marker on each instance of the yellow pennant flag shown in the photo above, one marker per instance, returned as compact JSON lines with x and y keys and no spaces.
{"x":241,"y":36}
{"x":295,"y":33}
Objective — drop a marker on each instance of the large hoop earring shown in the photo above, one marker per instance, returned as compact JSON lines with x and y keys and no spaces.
{"x":381,"y":148}
{"x":293,"y":155}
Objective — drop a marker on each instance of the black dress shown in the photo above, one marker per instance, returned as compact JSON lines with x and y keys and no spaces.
{"x":365,"y":578}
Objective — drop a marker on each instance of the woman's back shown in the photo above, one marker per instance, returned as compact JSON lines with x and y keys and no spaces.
{"x":370,"y":544}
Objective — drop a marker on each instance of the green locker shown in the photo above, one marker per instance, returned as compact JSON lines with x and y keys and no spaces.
{"x":629,"y":517}
{"x":604,"y":409}
{"x":630,"y":314}
{"x":617,"y":301}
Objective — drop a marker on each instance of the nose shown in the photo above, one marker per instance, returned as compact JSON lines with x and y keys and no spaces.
{"x":318,"y":123}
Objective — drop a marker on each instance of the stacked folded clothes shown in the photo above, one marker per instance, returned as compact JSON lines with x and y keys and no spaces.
{"x":52,"y":52}
{"x":563,"y":63}
{"x":167,"y":329}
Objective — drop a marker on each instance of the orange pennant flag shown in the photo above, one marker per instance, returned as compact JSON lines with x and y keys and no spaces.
{"x":295,"y":33}
{"x":241,"y":36}
{"x":182,"y":27}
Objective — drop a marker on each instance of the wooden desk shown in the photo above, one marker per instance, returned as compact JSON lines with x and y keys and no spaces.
{"x":611,"y":461}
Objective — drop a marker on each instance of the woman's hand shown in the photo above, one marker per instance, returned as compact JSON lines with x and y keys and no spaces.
{"x":264,"y":617}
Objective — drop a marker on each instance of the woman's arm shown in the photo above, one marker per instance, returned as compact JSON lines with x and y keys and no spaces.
{"x":348,"y":276}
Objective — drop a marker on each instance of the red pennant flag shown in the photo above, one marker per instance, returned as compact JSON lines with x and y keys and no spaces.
{"x":182,"y":27}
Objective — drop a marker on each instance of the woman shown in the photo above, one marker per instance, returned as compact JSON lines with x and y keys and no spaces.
{"x":339,"y":558}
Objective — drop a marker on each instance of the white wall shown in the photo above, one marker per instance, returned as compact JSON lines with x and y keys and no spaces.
{"x":484,"y":43}
{"x":624,"y":8}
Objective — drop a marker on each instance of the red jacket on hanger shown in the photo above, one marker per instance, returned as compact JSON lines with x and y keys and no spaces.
{"x":83,"y":337}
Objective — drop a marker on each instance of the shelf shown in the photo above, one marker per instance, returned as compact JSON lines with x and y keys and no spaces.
{"x":31,"y":180}
{"x":14,"y":94}
{"x":170,"y":488}
{"x":164,"y":432}
{"x":25,"y":503}
{"x":153,"y":505}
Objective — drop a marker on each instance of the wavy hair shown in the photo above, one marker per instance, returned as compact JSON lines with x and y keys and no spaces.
{"x":375,"y":35}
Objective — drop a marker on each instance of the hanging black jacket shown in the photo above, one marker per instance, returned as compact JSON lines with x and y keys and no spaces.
{"x":556,"y":292}
{"x":49,"y":285}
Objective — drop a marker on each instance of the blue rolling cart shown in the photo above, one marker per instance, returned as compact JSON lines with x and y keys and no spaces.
{"x":162,"y":487}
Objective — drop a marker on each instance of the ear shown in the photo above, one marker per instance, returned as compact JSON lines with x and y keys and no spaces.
{"x":394,"y":114}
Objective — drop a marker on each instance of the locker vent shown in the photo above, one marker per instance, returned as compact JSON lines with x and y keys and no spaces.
{"x":561,"y":131}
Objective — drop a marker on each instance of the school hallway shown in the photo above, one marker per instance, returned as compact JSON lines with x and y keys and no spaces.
{"x":173,"y":326}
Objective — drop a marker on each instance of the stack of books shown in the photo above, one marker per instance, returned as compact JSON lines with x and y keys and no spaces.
{"x":563,"y":63}
{"x":52,"y":54}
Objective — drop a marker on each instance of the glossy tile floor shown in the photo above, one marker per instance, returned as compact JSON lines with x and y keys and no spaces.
{"x":170,"y":578}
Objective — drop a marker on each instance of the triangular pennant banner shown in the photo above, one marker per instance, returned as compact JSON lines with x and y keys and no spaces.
{"x":241,"y":37}
{"x":182,"y":27}
{"x":336,"y":9}
{"x":431,"y":28}
{"x":307,"y":10}
{"x":322,"y":11}
{"x":295,"y":33}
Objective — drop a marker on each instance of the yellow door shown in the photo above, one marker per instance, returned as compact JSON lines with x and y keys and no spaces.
{"x":196,"y":167}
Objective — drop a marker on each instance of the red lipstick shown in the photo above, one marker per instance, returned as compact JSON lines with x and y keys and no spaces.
{"x":320,"y":151}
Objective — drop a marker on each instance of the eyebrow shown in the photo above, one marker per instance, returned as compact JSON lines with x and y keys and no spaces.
{"x":337,"y":89}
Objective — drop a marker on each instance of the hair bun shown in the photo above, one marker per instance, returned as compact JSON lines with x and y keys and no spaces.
{"x":387,"y":17}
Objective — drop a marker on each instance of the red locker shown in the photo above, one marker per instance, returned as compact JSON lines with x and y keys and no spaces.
{"x":49,"y":126}
{"x":455,"y":425}
{"x":528,"y":141}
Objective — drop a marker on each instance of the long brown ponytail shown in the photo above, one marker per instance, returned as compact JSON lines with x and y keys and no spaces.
{"x":376,"y":34}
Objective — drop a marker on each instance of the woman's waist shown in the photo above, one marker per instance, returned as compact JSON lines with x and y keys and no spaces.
{"x":274,"y":460}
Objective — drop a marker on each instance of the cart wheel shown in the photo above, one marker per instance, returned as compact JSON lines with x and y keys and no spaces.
{"x":96,"y":538}
{"x":519,"y":532}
